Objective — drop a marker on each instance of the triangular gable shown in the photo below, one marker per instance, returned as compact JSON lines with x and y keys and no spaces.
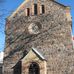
{"x":17,"y":10}
{"x":33,"y":51}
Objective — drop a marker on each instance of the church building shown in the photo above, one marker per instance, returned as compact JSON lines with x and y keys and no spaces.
{"x":38,"y":39}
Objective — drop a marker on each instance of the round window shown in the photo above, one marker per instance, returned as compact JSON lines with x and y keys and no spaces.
{"x":34,"y":28}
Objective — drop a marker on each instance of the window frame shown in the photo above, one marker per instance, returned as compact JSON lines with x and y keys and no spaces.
{"x":43,"y":9}
{"x":28,"y":11}
{"x":34,"y":68}
{"x":35,"y":9}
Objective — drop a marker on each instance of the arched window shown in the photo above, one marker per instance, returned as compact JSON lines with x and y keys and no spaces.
{"x":43,"y":9}
{"x":35,"y":9}
{"x":34,"y":68}
{"x":28,"y":12}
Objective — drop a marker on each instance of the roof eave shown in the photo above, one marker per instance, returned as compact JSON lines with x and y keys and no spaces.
{"x":39,"y":54}
{"x":60,"y":3}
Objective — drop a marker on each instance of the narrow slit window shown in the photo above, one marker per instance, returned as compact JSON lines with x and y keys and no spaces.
{"x":35,"y":9}
{"x":28,"y":12}
{"x":43,"y":9}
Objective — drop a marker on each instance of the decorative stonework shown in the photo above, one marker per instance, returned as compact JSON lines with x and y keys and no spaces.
{"x":34,"y":28}
{"x":51,"y":36}
{"x":34,"y":57}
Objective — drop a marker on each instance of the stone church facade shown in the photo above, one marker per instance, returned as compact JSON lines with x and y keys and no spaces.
{"x":38,"y":39}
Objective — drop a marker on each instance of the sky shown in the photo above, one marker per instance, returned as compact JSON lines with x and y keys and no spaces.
{"x":8,"y":6}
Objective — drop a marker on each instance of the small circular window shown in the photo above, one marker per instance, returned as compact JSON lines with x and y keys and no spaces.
{"x":34,"y":28}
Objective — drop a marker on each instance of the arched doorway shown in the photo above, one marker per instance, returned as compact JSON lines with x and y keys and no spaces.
{"x":34,"y":68}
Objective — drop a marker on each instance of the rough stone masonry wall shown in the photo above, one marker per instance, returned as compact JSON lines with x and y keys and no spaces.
{"x":32,"y":57}
{"x":54,"y":40}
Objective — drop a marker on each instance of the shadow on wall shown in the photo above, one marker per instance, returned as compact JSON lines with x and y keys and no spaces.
{"x":17,"y":68}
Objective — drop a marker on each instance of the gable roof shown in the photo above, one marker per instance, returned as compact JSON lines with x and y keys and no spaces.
{"x":13,"y":14}
{"x":38,"y":53}
{"x":16,"y":11}
{"x":34,"y":50}
{"x":60,"y":3}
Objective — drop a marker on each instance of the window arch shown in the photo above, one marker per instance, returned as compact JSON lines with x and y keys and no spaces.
{"x":43,"y":9}
{"x":28,"y":11}
{"x":34,"y":68}
{"x":35,"y":9}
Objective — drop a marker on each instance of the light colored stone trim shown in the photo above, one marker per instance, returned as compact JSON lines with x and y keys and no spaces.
{"x":15,"y":12}
{"x":45,"y":66}
{"x":68,"y":14}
